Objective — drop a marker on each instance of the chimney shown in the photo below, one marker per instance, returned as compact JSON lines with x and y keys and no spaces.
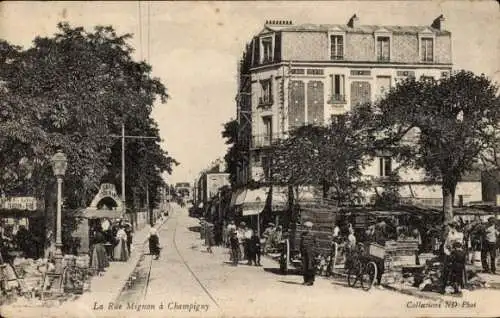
{"x":279,"y":22}
{"x":438,"y":23}
{"x":353,"y":22}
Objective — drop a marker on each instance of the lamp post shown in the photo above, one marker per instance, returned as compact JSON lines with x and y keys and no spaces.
{"x":59,"y":165}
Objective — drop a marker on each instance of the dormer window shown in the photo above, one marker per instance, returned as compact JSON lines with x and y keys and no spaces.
{"x":427,"y":49}
{"x":383,"y":48}
{"x":337,"y":47}
{"x":267,"y":49}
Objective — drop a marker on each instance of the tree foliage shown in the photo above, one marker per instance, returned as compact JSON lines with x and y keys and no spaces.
{"x":72,"y":91}
{"x":444,"y":127}
{"x":236,"y":151}
{"x":331,"y":156}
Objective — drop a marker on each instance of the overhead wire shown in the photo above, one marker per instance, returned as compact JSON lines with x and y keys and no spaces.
{"x":140,"y":29}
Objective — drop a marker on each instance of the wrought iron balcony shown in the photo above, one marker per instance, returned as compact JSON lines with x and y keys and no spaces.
{"x":265,"y":102}
{"x":266,"y":140}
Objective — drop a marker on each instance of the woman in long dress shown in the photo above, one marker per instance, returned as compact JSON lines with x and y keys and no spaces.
{"x":99,"y":260}
{"x":154,"y":243}
{"x":120,"y":252}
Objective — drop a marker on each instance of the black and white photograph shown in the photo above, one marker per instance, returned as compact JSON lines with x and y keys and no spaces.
{"x":249,"y":159}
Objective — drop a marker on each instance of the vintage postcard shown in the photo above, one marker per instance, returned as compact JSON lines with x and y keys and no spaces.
{"x":249,"y":159}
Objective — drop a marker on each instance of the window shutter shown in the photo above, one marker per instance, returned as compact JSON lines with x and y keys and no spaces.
{"x":256,"y":51}
{"x":315,"y":102}
{"x":360,"y":93}
{"x":296,"y":107}
{"x":277,"y":47}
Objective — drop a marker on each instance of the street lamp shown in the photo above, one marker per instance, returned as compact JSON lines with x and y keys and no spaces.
{"x":59,"y":165}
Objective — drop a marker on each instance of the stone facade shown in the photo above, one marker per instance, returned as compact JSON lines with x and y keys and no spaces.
{"x":309,"y":84}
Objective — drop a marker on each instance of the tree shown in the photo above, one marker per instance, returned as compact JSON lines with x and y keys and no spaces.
{"x":332,"y":156}
{"x":443,"y":126}
{"x":73,"y":91}
{"x":235,"y":155}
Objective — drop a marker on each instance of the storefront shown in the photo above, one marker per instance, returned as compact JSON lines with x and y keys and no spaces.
{"x":18,"y":217}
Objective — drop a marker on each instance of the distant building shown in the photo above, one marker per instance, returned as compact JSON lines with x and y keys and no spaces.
{"x":292,"y":75}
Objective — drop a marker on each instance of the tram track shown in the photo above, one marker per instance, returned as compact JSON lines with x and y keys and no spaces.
{"x":137,"y":287}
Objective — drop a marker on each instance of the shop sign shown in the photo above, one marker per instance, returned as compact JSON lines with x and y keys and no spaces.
{"x":21,"y":203}
{"x":107,"y":190}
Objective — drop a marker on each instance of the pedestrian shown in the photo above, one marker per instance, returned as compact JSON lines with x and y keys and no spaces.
{"x":129,"y":231}
{"x":241,"y":240}
{"x":154,"y":243}
{"x":231,"y":227}
{"x":99,"y":260}
{"x":489,"y":246}
{"x":210,"y":237}
{"x":235,"y":247}
{"x":453,"y":258}
{"x":307,"y":245}
{"x":247,"y":238}
{"x":254,"y":250}
{"x":120,"y":252}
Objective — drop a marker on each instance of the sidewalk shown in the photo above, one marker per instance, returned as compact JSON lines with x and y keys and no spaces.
{"x":103,"y":289}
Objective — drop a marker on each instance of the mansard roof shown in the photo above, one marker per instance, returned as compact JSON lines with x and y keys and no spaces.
{"x":366,"y":29}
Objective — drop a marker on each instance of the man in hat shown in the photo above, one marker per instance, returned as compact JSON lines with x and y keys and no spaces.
{"x":489,"y":245}
{"x":307,"y":244}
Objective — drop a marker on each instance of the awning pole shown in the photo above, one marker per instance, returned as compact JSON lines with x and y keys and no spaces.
{"x":258,"y":225}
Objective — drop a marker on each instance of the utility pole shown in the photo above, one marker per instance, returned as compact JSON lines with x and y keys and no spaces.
{"x":123,"y":137}
{"x":123,"y":168}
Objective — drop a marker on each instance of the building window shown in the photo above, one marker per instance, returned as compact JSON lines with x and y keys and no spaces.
{"x":315,"y":102}
{"x":268,"y":130}
{"x":266,"y":166}
{"x":266,"y":97}
{"x":337,"y":89}
{"x":427,"y":49}
{"x":383,"y":86}
{"x":267,"y":49}
{"x":337,"y":47}
{"x":360,"y":93}
{"x":385,"y":166}
{"x":383,"y":48}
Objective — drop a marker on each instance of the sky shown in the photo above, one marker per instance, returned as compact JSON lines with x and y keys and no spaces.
{"x":194,"y":48}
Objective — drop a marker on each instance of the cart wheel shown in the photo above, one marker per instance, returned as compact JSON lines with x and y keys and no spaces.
{"x":369,"y":275}
{"x":353,"y":274}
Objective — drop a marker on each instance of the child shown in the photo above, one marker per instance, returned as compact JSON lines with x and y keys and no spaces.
{"x":235,"y":247}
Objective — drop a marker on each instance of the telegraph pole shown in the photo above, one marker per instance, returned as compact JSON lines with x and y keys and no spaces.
{"x":123,"y":168}
{"x":123,"y":137}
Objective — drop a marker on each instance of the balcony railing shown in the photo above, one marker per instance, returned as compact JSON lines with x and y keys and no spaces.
{"x":383,"y":58}
{"x":266,"y":140}
{"x":265,"y":102}
{"x":336,"y":99}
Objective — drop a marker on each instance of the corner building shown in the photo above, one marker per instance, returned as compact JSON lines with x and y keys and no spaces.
{"x":305,"y":74}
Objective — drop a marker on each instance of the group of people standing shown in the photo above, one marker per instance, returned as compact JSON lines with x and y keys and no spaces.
{"x":245,"y":244}
{"x":110,"y":242}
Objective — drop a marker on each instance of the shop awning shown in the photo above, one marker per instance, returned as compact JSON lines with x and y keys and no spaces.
{"x":237,"y":197}
{"x":254,"y":201}
{"x":91,"y":213}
